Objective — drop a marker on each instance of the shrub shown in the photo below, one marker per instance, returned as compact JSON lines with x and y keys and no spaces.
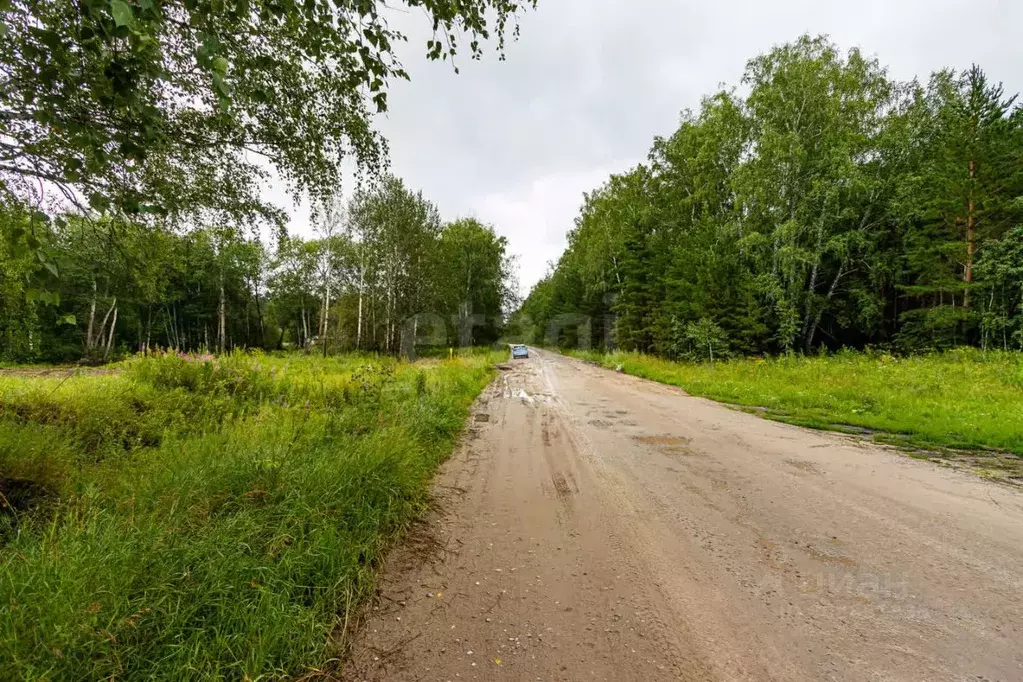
{"x":194,"y":517}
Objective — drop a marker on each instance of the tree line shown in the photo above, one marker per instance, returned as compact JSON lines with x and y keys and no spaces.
{"x":135,"y":139}
{"x":822,"y":204}
{"x":382,"y":273}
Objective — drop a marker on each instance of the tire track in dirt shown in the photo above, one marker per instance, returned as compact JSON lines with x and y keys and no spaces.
{"x":597,"y":526}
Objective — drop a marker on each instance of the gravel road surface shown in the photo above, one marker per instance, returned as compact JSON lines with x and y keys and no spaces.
{"x":595,"y":526}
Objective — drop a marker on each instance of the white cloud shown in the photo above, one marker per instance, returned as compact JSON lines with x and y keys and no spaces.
{"x":536,"y":218}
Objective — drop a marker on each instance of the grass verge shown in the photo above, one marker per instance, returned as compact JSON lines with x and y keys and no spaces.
{"x":963,"y":399}
{"x":181,"y":519}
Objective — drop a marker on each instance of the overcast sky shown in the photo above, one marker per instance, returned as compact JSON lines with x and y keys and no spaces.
{"x":591,"y":82}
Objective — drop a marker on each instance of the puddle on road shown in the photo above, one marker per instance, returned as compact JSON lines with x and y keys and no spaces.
{"x":829,"y":556}
{"x":804,"y":465}
{"x":663,"y":440}
{"x":562,"y":486}
{"x":669,"y":445}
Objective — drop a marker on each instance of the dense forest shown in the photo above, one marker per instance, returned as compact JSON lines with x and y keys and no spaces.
{"x":383,"y":272}
{"x":136,"y":139}
{"x":820,"y":204}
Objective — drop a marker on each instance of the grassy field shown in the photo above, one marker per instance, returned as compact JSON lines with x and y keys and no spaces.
{"x":187,"y":519}
{"x":963,"y":399}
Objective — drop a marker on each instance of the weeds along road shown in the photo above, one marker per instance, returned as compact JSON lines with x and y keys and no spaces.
{"x":594,"y":526}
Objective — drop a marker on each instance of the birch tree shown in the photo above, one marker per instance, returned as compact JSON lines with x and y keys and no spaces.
{"x":823,"y":204}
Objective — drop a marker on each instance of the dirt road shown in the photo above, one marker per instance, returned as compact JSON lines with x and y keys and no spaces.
{"x":595,"y":526}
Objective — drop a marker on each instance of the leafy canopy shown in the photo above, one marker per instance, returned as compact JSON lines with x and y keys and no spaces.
{"x":155,"y":107}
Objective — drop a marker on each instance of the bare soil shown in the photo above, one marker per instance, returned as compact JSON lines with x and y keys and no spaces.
{"x":595,"y":526}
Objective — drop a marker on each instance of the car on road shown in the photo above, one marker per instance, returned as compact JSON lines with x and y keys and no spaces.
{"x":519,"y":351}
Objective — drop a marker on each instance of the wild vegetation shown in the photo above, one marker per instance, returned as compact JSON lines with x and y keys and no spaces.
{"x":216,"y":511}
{"x":382,"y":273}
{"x":962,"y":399}
{"x":136,"y":139}
{"x":159,"y":110}
{"x":822,"y":204}
{"x":181,"y":517}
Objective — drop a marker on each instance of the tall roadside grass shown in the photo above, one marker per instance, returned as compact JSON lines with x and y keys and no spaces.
{"x":963,"y":399}
{"x":189,"y":519}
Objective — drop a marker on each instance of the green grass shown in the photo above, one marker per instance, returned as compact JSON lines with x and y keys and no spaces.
{"x":962,"y":399}
{"x":209,"y":520}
